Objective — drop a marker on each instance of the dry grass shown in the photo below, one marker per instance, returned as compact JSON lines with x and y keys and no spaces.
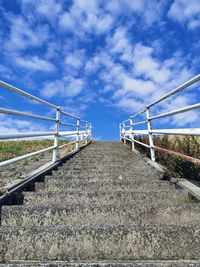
{"x":188,"y":145}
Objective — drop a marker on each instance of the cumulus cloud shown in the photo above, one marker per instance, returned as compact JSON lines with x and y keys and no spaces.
{"x":23,"y":36}
{"x":186,"y":12}
{"x":67,"y":87}
{"x":149,"y":79}
{"x":147,"y":65}
{"x":5,"y":72}
{"x":147,"y":11}
{"x":35,"y":64}
{"x":112,"y":44}
{"x":88,"y":17}
{"x":10,"y":125}
{"x":75,"y":59}
{"x":49,"y":9}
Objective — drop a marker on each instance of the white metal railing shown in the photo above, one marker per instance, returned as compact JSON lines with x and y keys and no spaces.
{"x":81,"y":132}
{"x":128,"y":132}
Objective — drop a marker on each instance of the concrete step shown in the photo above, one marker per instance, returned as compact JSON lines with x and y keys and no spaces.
{"x":99,"y":176}
{"x":79,"y":185}
{"x":101,"y":242}
{"x":148,"y":172}
{"x":167,"y":263}
{"x":100,"y":214}
{"x":102,"y":166}
{"x":102,"y":159}
{"x":104,"y":171}
{"x":106,"y":197}
{"x":92,"y":161}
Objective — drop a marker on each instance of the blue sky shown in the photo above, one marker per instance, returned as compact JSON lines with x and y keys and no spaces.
{"x":102,"y":60}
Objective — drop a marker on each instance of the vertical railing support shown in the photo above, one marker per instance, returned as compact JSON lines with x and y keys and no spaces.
{"x":90,"y":129}
{"x":86,"y":130}
{"x":124,"y":132}
{"x":152,"y":150}
{"x":77,"y":132}
{"x":132,"y":135}
{"x":120,"y":132}
{"x":57,"y":125}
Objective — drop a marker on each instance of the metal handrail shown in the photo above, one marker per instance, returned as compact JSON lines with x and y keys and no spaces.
{"x":176,"y":90}
{"x":23,"y":114}
{"x":128,"y":133}
{"x":23,"y":93}
{"x":79,"y":135}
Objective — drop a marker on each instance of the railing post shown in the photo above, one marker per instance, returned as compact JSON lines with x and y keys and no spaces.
{"x":152,"y":150}
{"x":124,"y":132}
{"x":86,"y":130}
{"x":132,"y":135}
{"x":90,"y":129}
{"x":120,"y":132}
{"x":78,"y":130}
{"x":55,"y":150}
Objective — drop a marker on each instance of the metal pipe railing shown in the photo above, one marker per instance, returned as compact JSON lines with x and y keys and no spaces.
{"x":176,"y":90}
{"x":23,"y":114}
{"x":9,"y":161}
{"x":68,"y":114}
{"x":159,"y":132}
{"x":23,"y":93}
{"x":25,"y":135}
{"x":79,"y":135}
{"x":128,"y":133}
{"x":138,"y":123}
{"x":68,"y":124}
{"x":177,"y":111}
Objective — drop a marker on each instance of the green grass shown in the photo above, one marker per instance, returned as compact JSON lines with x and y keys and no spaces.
{"x":11,"y":149}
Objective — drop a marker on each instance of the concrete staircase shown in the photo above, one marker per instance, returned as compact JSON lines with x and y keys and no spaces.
{"x":104,"y":207}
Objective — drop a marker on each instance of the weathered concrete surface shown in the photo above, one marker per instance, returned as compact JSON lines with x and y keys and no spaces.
{"x":68,"y":185}
{"x":107,"y":242}
{"x":101,"y":214}
{"x":192,"y":188}
{"x":105,"y":197}
{"x":104,"y":264}
{"x":107,"y":207}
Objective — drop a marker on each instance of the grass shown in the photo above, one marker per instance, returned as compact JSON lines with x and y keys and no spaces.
{"x":20,"y":169}
{"x":11,"y":149}
{"x":188,"y":145}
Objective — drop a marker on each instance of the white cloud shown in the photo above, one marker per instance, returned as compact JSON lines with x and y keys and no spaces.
{"x":129,"y":104}
{"x":67,"y":22}
{"x":6,"y":72}
{"x":147,"y":11}
{"x":188,"y":118}
{"x":74,"y":87}
{"x":23,"y":36}
{"x":67,"y":87}
{"x":187,"y":12}
{"x":119,"y":6}
{"x":50,"y":9}
{"x":101,"y":59}
{"x":88,"y":17}
{"x":120,"y":44}
{"x":53,"y":49}
{"x":75,"y":59}
{"x":35,"y":64}
{"x":147,"y":65}
{"x":135,"y":88}
{"x":150,"y":77}
{"x":11,"y":125}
